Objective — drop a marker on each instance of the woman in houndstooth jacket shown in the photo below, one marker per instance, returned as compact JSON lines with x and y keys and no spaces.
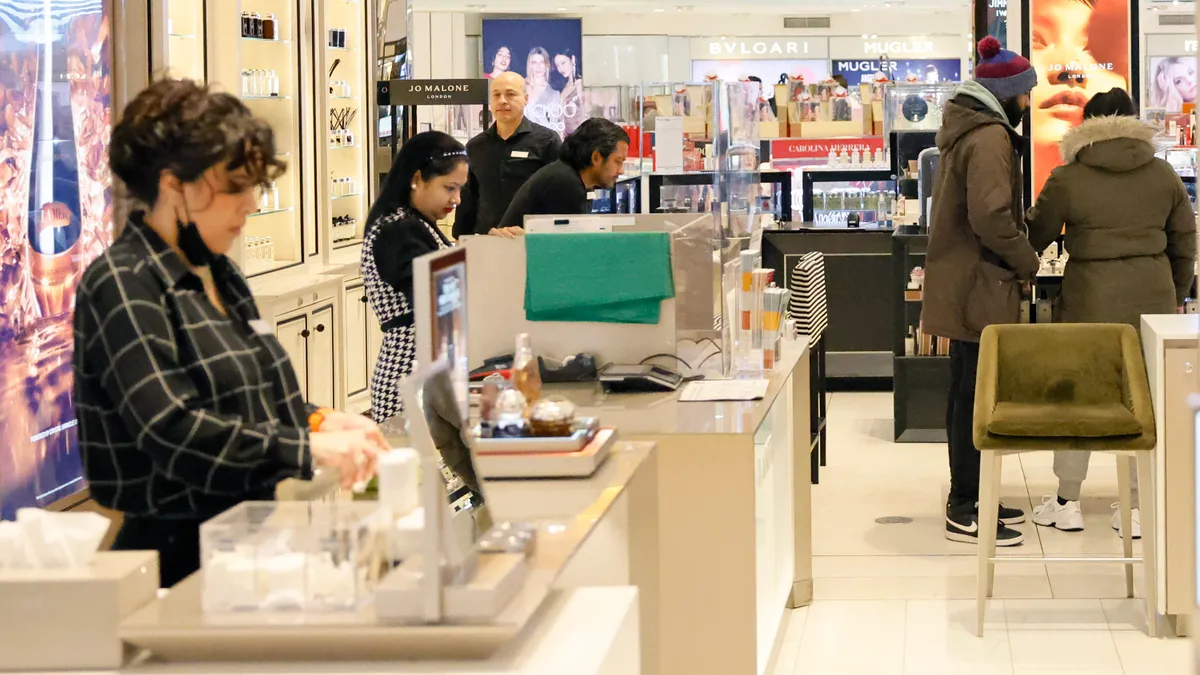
{"x":424,"y":186}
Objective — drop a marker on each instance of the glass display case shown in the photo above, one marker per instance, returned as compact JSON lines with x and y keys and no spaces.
{"x":912,"y":114}
{"x":696,"y":192}
{"x":625,"y":197}
{"x":831,"y":197}
{"x":344,"y":155}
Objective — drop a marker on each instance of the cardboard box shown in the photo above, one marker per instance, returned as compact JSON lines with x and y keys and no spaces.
{"x":68,"y":619}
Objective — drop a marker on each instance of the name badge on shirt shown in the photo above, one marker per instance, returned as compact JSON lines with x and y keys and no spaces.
{"x":260,"y":327}
{"x":520,"y":154}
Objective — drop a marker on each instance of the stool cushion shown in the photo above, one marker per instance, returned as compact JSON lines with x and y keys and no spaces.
{"x":1063,"y":420}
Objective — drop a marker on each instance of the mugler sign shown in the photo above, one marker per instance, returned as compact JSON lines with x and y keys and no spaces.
{"x":433,"y":92}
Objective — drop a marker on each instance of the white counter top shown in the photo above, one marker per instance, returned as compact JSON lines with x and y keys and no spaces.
{"x":586,"y":631}
{"x":1160,"y":327}
{"x":639,"y":415}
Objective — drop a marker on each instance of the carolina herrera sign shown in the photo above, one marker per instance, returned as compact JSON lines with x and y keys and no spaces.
{"x":433,"y":92}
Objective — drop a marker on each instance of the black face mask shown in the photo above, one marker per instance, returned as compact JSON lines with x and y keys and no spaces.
{"x":190,"y":243}
{"x":1013,"y":111}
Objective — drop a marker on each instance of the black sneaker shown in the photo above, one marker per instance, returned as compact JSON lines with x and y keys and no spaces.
{"x":1011,"y":516}
{"x":963,"y":526}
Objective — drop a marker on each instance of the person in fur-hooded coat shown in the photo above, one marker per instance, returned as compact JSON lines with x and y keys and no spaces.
{"x":1130,"y":228}
{"x":1131,"y":237}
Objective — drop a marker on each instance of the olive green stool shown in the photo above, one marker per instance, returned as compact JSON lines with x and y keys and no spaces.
{"x":1065,"y":387}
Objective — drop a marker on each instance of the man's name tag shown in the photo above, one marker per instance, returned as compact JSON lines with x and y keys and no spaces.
{"x":520,"y":154}
{"x":260,"y":327}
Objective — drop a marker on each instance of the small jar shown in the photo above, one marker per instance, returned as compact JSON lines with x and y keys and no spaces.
{"x":270,"y":28}
{"x":247,"y":26}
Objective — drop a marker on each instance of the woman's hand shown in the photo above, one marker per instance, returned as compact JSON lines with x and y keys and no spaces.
{"x":340,"y":421}
{"x":352,"y":453}
{"x":507,"y":232}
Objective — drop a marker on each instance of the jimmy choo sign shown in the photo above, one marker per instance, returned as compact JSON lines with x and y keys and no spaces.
{"x":432,"y":92}
{"x":759,"y":48}
{"x":916,"y":46}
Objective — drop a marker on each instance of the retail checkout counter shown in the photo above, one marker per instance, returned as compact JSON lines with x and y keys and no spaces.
{"x":1171,"y":344}
{"x":733,"y":549}
{"x":858,"y":280}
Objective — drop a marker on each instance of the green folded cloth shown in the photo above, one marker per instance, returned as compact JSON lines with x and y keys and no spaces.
{"x":617,"y":277}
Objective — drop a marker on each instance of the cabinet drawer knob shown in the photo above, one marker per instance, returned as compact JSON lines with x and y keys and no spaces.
{"x":305,"y":333}
{"x":363,"y":299}
{"x":320,"y":328}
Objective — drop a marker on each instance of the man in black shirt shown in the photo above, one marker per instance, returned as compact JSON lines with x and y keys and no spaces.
{"x":593,"y":156}
{"x":502,"y":158}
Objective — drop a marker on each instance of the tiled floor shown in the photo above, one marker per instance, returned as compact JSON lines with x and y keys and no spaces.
{"x":900,"y":598}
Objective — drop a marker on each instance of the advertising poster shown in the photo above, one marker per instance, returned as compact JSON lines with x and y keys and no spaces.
{"x":1080,"y":48}
{"x":929,"y":71}
{"x":55,"y":215}
{"x":548,"y":53}
{"x":1171,"y":82}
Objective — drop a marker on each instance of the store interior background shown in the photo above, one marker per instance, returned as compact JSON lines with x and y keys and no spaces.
{"x":887,"y":598}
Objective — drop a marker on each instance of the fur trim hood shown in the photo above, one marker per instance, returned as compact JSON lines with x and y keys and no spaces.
{"x":1113,"y":143}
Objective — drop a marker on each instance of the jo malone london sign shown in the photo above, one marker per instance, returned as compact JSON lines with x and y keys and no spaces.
{"x":759,"y":48}
{"x":433,"y":92}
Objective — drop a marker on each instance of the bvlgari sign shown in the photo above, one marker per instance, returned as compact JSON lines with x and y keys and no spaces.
{"x":759,"y":48}
{"x":433,"y":92}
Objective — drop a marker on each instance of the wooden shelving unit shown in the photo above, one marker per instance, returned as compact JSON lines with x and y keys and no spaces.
{"x":919,"y":383}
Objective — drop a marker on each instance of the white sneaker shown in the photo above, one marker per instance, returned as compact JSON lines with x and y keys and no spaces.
{"x":1066,"y":517}
{"x":1137,"y":521}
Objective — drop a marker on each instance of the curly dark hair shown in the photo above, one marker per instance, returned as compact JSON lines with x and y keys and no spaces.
{"x":594,"y":135}
{"x":185,"y":128}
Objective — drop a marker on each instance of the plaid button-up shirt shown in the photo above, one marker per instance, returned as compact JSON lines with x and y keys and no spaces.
{"x":183,"y":411}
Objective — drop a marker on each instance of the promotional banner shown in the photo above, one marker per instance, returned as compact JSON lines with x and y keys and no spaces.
{"x":548,"y":53}
{"x":819,"y":148}
{"x":991,"y":18}
{"x":55,"y":218}
{"x":1080,"y":48}
{"x":929,"y":71}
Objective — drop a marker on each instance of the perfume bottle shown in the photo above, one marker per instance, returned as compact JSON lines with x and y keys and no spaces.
{"x":270,"y":28}
{"x":527,"y":377}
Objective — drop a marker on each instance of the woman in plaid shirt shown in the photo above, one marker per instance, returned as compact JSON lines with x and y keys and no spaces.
{"x":188,"y":405}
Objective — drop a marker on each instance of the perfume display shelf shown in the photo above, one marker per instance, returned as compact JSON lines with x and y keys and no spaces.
{"x":306,"y":68}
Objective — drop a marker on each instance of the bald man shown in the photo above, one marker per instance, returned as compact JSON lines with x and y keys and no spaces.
{"x":502,"y":158}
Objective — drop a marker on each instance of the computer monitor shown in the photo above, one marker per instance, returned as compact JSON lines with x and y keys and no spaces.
{"x":440,"y":307}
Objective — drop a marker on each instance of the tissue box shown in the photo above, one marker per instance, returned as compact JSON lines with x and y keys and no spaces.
{"x":58,"y":619}
{"x":294,"y":556}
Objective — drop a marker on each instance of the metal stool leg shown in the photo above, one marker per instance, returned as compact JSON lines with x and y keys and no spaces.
{"x":989,"y":516}
{"x":1146,"y":488}
{"x":1125,"y":490}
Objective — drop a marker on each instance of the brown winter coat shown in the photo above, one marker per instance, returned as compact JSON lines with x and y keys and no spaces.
{"x":1130,"y":229}
{"x":978,"y":252}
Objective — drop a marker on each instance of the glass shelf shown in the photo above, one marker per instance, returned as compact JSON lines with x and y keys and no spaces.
{"x":182,"y":36}
{"x":341,"y":49}
{"x":343,"y":98}
{"x":349,"y":196}
{"x":256,"y":39}
{"x":266,"y":98}
{"x":342,"y":147}
{"x":269,"y":212}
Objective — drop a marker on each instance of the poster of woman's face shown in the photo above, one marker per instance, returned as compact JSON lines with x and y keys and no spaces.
{"x":1171,"y":82}
{"x":1080,"y":48}
{"x":548,"y":54}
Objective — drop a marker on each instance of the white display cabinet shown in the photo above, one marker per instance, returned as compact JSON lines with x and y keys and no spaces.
{"x":343,"y":93}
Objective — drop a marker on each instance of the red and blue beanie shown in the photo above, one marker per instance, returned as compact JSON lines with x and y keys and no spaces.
{"x":1005,"y":73}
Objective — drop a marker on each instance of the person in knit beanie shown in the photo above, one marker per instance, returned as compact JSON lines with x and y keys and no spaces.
{"x":1008,"y":76}
{"x":977,"y":257}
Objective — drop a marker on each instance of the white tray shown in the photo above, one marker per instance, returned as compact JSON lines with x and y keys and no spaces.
{"x":572,"y":464}
{"x":585,"y":431}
